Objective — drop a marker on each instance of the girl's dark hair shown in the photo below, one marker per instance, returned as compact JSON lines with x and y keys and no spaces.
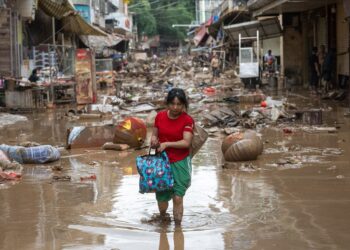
{"x":180,"y":94}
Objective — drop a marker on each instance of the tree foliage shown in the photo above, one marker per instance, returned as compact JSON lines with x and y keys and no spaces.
{"x":145,"y":21}
{"x":158,"y":16}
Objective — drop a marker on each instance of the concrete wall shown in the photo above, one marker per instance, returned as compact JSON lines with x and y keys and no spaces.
{"x":293,"y":53}
{"x":273,"y":44}
{"x":342,"y":41}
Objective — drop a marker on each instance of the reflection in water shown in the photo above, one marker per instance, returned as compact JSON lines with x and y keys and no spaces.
{"x":178,"y":238}
{"x":122,"y":226}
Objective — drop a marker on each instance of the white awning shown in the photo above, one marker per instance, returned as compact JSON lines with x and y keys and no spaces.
{"x":268,"y":28}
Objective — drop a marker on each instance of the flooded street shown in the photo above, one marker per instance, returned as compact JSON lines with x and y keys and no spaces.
{"x":295,"y":196}
{"x":258,"y":91}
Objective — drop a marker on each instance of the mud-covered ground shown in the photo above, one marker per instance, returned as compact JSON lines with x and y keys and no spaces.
{"x":295,"y":196}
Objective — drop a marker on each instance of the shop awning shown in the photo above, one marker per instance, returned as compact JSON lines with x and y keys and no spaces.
{"x":229,"y":18}
{"x":72,"y":21}
{"x":268,"y":28}
{"x":202,"y":33}
{"x":100,"y":42}
{"x":56,"y":10}
{"x":76,"y":24}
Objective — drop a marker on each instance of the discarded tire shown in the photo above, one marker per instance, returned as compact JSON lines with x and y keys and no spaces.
{"x":131,"y":131}
{"x":245,"y":146}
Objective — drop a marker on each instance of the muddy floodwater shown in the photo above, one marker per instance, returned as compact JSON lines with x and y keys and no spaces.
{"x":295,"y":196}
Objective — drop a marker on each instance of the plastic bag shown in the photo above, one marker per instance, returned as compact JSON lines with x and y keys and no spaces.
{"x":155,"y":173}
{"x":39,"y":154}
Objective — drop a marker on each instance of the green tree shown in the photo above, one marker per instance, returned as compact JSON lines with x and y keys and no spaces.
{"x":158,"y":16}
{"x":145,"y":21}
{"x":178,"y":14}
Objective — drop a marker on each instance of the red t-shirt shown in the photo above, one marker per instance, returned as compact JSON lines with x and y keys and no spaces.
{"x":171,"y":130}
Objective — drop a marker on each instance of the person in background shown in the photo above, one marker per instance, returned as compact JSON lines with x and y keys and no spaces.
{"x":321,"y":55}
{"x":269,"y":61}
{"x":215,"y":67}
{"x":173,"y":133}
{"x":314,"y":70}
{"x":328,"y":69}
{"x":155,"y":60}
{"x":34,"y":77}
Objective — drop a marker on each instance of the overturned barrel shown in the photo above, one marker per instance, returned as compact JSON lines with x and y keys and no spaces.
{"x":239,"y":146}
{"x":131,"y":131}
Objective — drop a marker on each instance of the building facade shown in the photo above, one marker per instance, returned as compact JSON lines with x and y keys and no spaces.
{"x":204,"y":9}
{"x":308,"y":24}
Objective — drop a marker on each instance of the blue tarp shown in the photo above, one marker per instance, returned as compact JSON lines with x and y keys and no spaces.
{"x":39,"y":154}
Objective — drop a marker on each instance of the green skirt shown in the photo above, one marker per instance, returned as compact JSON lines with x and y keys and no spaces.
{"x":182,"y":180}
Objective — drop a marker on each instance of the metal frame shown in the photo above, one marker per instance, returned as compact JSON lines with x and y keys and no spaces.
{"x":251,"y":64}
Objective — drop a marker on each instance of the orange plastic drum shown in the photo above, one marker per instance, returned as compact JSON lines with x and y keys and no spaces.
{"x":131,"y":131}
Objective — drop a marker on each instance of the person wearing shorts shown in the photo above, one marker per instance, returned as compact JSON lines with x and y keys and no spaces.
{"x":173,"y":132}
{"x":215,"y":67}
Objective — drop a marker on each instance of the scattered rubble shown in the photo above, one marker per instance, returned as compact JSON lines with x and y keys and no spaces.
{"x":88,"y":178}
{"x":61,"y":178}
{"x":117,"y":147}
{"x":9,"y":119}
{"x":223,"y":108}
{"x":9,"y":176}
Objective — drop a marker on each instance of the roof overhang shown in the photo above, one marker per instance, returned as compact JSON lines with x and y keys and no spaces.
{"x":268,"y":28}
{"x":288,"y":6}
{"x":71,"y":19}
{"x":232,"y":17}
{"x":202,"y":33}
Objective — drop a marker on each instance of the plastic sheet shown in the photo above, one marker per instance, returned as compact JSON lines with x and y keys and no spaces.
{"x":39,"y":154}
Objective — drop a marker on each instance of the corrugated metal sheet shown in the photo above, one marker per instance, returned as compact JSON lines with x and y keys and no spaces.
{"x":71,"y":19}
{"x":342,"y":42}
{"x":268,"y":28}
{"x":19,"y":99}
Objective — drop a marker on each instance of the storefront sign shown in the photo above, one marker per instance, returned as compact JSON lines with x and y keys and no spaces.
{"x":84,"y":11}
{"x":120,"y":21}
{"x":83,"y":77}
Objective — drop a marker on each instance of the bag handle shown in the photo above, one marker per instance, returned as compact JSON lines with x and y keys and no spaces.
{"x":149,"y":151}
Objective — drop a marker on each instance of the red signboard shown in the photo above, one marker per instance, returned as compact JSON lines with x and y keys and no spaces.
{"x":84,"y":75}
